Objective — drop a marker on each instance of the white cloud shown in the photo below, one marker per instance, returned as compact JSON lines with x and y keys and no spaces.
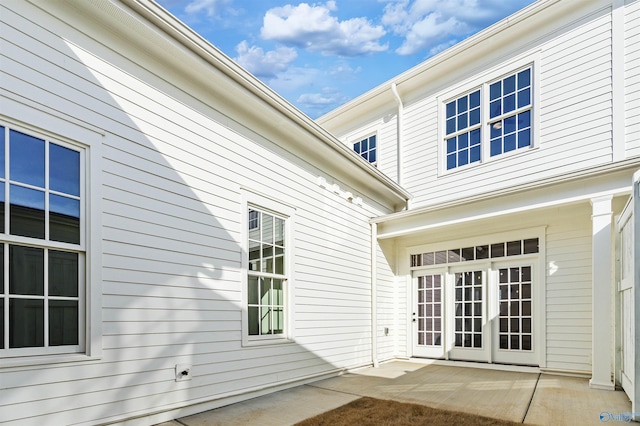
{"x":209,"y":7}
{"x":423,"y":23}
{"x":314,"y":28}
{"x":321,"y":102}
{"x":264,"y":64}
{"x":441,"y":47}
{"x":431,"y":29}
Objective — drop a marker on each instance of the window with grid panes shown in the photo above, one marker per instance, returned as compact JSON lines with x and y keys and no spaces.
{"x":41,"y":245}
{"x":367,"y":149}
{"x":267,"y":277}
{"x":489,"y":121}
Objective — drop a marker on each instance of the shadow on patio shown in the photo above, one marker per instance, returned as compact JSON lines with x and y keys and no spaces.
{"x":523,"y":396}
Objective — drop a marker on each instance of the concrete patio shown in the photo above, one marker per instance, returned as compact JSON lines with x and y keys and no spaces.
{"x":522,"y":395}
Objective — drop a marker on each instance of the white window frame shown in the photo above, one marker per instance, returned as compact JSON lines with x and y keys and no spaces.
{"x":537,"y":260}
{"x":88,"y":141}
{"x":251,"y":199}
{"x":482,"y":82}
{"x":376,"y":149}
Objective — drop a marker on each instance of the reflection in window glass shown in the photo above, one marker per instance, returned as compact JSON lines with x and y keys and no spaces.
{"x":26,"y":159}
{"x":64,"y":219}
{"x":63,"y":273}
{"x":40,"y":304}
{"x":26,"y":270}
{"x":26,"y":213}
{"x":26,"y":323}
{"x":64,"y":170}
{"x":63,"y":322}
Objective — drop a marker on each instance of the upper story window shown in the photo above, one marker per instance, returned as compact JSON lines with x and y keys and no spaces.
{"x":41,"y":245}
{"x":367,"y":149}
{"x":510,"y":113}
{"x":489,"y":121}
{"x":463,"y":130}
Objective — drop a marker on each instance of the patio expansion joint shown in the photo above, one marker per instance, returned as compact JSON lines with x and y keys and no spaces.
{"x":311,"y":385}
{"x":535,"y":387}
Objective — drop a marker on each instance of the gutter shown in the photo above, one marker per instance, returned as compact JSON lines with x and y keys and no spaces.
{"x":558,"y":179}
{"x":466,"y":44}
{"x":399,"y":134}
{"x":374,"y":295}
{"x":195,"y":43}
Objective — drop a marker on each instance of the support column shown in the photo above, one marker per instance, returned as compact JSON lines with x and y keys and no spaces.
{"x":601,"y":273}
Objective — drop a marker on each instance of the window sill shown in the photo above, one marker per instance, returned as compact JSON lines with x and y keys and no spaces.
{"x":34,"y":360}
{"x":508,"y":156}
{"x":251,"y":342}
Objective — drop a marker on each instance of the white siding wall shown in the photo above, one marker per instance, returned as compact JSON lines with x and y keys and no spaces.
{"x":567,"y":280}
{"x":632,"y":77}
{"x":386,"y":131}
{"x":568,"y":290}
{"x":171,"y":178}
{"x":574,"y":115}
{"x":387,"y":308}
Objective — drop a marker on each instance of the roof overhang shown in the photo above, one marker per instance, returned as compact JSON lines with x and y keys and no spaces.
{"x":246,"y":99}
{"x":579,"y":187}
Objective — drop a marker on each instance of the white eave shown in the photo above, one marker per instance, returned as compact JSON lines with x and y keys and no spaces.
{"x":351,"y":165}
{"x":384,"y":90}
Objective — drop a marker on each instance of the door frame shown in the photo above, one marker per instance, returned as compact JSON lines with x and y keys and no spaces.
{"x":428,"y":351}
{"x":537,"y":261}
{"x":519,"y":358}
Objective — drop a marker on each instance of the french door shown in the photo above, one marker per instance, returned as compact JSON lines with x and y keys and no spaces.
{"x":475,"y":313}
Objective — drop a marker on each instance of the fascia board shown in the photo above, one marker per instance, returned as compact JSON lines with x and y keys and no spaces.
{"x":135,"y":18}
{"x":184,"y":35}
{"x":377,"y":95}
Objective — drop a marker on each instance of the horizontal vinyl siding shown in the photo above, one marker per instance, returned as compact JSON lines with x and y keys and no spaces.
{"x":171,"y":174}
{"x":421,"y":144}
{"x":574,"y":130}
{"x":632,"y":78}
{"x":568,"y":290}
{"x":388,"y":146}
{"x":386,"y":309}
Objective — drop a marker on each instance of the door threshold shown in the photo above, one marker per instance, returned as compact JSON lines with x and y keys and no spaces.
{"x":481,"y":365}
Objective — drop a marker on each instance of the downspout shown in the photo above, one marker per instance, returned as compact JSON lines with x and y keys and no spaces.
{"x":399,"y":135}
{"x":374,"y":295}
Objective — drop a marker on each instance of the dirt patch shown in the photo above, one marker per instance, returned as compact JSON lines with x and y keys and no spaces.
{"x":379,"y":412}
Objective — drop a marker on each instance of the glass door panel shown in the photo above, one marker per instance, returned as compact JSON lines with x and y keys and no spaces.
{"x":514,"y":320}
{"x":469,"y":315}
{"x":427,"y":316}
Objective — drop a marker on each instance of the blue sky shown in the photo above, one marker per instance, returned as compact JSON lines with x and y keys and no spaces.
{"x":319,"y":55}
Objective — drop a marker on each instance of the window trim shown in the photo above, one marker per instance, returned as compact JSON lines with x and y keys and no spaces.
{"x":269,"y":205}
{"x":367,"y":138}
{"x":482,"y":82}
{"x":87,"y":139}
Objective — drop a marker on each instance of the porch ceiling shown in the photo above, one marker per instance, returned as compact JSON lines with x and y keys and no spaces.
{"x":508,"y":209}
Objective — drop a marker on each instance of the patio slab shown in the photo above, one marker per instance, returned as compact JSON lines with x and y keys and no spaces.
{"x":569,"y":400}
{"x":524,"y":396}
{"x":486,"y":392}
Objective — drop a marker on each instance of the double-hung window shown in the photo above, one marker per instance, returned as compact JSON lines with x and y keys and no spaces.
{"x":489,"y":121}
{"x":463,"y":130}
{"x":267,"y":273}
{"x":41,"y":245}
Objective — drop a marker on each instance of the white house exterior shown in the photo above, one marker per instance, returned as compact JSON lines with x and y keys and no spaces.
{"x":522,"y":139}
{"x":166,"y":213}
{"x":175,"y":236}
